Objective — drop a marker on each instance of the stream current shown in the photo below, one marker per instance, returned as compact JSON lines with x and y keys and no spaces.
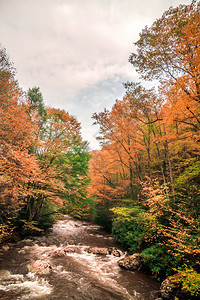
{"x":78,"y":275}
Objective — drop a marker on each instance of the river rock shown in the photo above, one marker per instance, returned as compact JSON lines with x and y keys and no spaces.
{"x":39,"y":267}
{"x":5,"y":248}
{"x":72,"y":250}
{"x":104,"y":251}
{"x":96,"y":250}
{"x":130,"y":262}
{"x":168,"y":289}
{"x":69,"y":250}
{"x":113,"y":251}
{"x":58,"y":253}
{"x":71,"y":242}
{"x":4,"y":274}
{"x":171,"y":290}
{"x":7,"y":278}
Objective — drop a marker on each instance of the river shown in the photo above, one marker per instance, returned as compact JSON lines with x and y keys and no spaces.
{"x":77,"y":274}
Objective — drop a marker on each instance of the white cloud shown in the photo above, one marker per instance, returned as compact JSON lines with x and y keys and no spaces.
{"x":67,"y":46}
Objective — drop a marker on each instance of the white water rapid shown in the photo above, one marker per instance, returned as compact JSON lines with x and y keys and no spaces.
{"x":60,"y":266}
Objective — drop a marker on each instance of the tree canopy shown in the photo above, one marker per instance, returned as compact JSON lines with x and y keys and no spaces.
{"x":145,"y":178}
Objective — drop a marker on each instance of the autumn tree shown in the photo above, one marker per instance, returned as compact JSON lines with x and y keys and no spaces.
{"x":121,"y":137}
{"x":133,"y":133}
{"x":17,"y":165}
{"x":109,"y":179}
{"x":169,"y":51}
{"x":158,"y":54}
{"x":155,"y":137}
{"x":43,"y":160}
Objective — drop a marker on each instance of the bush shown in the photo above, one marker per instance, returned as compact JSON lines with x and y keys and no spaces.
{"x":160,"y":262}
{"x":133,"y":227}
{"x":103,"y":217}
{"x":189,"y":280}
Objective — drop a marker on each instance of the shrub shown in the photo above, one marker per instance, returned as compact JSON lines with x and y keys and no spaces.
{"x":133,"y":227}
{"x":189,"y":280}
{"x":160,"y":262}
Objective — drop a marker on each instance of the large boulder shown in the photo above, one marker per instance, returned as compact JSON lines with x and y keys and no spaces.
{"x":96,"y":250}
{"x":113,"y":251}
{"x":105,"y":251}
{"x":130,"y":262}
{"x":172,"y":289}
{"x":168,"y":289}
{"x":63,"y":252}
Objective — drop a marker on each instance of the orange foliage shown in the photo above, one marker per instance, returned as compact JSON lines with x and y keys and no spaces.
{"x":61,"y":131}
{"x":16,"y":136}
{"x":108,"y":179}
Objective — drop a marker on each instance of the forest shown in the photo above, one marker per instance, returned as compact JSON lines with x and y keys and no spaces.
{"x":144,"y":183}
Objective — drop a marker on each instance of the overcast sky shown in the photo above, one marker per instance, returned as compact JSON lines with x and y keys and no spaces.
{"x":76,"y":51}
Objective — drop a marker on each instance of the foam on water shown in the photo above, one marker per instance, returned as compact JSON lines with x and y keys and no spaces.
{"x":30,"y":285}
{"x":67,"y":228}
{"x":103,"y":269}
{"x":73,"y":271}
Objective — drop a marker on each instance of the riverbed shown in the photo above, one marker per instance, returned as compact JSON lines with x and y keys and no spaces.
{"x":77,"y":274}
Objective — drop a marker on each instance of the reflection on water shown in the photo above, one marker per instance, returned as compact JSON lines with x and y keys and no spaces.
{"x":58,"y":266}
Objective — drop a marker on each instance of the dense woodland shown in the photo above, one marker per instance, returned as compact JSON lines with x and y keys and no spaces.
{"x":44,"y":162}
{"x":146,"y":177}
{"x":144,"y":183}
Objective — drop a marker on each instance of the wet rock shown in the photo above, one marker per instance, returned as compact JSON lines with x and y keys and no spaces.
{"x":113,"y":251}
{"x":11,"y":281}
{"x":51,"y":244}
{"x":4,"y":274}
{"x":7,"y":278}
{"x":69,"y":250}
{"x":28,"y":242}
{"x":171,"y":289}
{"x":39,"y":267}
{"x":105,"y":251}
{"x":130,"y":262}
{"x":71,"y":242}
{"x":72,"y":250}
{"x":5,"y":248}
{"x":58,"y":253}
{"x":96,"y":250}
{"x":168,"y":289}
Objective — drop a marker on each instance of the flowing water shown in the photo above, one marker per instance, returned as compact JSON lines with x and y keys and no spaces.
{"x":76,"y":274}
